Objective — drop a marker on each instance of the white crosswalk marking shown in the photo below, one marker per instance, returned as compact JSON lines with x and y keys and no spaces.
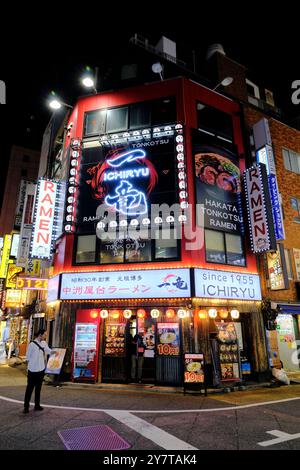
{"x":280,"y":437}
{"x":153,"y":433}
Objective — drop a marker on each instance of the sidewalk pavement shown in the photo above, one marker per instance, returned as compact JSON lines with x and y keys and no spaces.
{"x":17,"y":376}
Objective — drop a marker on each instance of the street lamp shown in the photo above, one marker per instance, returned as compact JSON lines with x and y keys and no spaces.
{"x":225,"y":82}
{"x":89,"y":80}
{"x":158,"y":68}
{"x":55,"y":103}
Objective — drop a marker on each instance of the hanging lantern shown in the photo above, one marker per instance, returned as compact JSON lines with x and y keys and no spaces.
{"x":127,"y":313}
{"x":235,"y":314}
{"x":115,"y":314}
{"x":170,"y":313}
{"x":94,"y":314}
{"x":223,"y":313}
{"x":202,"y":314}
{"x":141,"y":313}
{"x":154,"y":313}
{"x":182,"y":313}
{"x":104,"y":313}
{"x":212,"y":312}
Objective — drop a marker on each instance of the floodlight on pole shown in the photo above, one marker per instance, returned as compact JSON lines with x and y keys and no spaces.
{"x":89,"y":80}
{"x":55,"y":103}
{"x":158,"y":68}
{"x":225,"y":82}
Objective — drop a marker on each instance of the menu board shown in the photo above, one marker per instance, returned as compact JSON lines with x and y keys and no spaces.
{"x":228,"y":351}
{"x":194,"y":368}
{"x":146,"y":328}
{"x":168,"y":343}
{"x":85,"y":349}
{"x":55,"y":361}
{"x":115,"y":339}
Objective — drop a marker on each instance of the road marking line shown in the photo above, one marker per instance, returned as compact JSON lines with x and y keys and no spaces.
{"x":206,"y":410}
{"x":153,"y":433}
{"x":281,"y":437}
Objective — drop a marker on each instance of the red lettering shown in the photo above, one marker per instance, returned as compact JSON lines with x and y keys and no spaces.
{"x":45,"y":238}
{"x":47,"y":213}
{"x":254,"y":187}
{"x":256,"y":202}
{"x":253,"y":173}
{"x":44,"y":224}
{"x":257,"y":215}
{"x":49,"y":185}
{"x":47,"y":198}
{"x":259,"y":229}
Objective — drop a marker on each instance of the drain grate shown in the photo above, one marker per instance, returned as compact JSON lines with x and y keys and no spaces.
{"x":100,"y":437}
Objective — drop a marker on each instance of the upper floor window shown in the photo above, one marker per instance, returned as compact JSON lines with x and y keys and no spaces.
{"x":291,"y":160}
{"x":117,"y":119}
{"x":295,"y":204}
{"x":215,"y":122}
{"x":134,"y":116}
{"x":224,"y":248}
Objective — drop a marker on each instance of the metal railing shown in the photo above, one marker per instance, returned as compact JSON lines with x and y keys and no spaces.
{"x":140,"y":41}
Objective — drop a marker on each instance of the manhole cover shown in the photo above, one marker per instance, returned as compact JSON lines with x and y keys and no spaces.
{"x":92,"y":438}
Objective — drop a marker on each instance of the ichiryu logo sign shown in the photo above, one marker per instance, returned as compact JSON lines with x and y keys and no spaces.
{"x":2,"y":92}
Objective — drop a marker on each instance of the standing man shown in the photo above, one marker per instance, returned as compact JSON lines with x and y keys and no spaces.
{"x":36,"y":369}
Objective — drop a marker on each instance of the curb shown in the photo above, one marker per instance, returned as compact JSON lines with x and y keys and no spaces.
{"x":154,"y":389}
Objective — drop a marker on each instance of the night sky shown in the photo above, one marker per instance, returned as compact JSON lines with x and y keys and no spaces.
{"x":31,"y":73}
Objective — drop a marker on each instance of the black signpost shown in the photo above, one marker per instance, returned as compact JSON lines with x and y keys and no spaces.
{"x":194,"y":373}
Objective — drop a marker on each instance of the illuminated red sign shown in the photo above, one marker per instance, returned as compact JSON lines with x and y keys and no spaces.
{"x":44,"y":228}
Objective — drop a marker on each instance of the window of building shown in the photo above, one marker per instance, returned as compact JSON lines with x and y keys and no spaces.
{"x":291,"y":160}
{"x":140,"y":115}
{"x":26,"y":158}
{"x":117,"y":119}
{"x":288,"y":262}
{"x":215,"y":247}
{"x":137,"y":251}
{"x":295,"y":204}
{"x":24,"y":172}
{"x":166,"y":244}
{"x":134,"y":116}
{"x":86,"y":249}
{"x":112,"y":252}
{"x":215,"y":122}
{"x":163,"y":111}
{"x":234,"y":250}
{"x":224,"y":248}
{"x":94,"y":122}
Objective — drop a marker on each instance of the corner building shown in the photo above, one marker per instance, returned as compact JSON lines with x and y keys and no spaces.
{"x":191,"y":286}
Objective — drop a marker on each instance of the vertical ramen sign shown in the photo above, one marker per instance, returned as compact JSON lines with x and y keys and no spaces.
{"x":45,"y":219}
{"x":260,"y":219}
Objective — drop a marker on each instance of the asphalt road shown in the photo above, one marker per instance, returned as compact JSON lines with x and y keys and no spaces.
{"x":247,"y":420}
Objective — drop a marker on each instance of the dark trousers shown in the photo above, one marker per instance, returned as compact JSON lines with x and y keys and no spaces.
{"x":34,"y":381}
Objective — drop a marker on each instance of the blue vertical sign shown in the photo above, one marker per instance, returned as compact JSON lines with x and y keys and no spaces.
{"x":264,"y":154}
{"x":276,"y":207}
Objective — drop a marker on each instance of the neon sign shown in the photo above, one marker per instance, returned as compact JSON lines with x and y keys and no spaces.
{"x":126,"y":199}
{"x":126,"y":157}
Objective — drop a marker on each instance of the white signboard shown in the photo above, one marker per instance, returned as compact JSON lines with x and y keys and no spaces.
{"x":26,"y":226}
{"x":259,"y":212}
{"x":53,"y":287}
{"x":44,"y":227}
{"x":227,"y":285}
{"x":14,"y":245}
{"x":165,"y":283}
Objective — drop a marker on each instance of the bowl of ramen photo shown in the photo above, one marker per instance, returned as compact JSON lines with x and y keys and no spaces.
{"x":194,"y":367}
{"x":167,"y":338}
